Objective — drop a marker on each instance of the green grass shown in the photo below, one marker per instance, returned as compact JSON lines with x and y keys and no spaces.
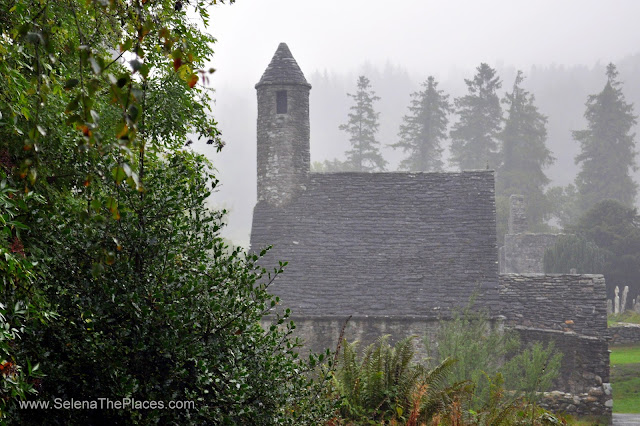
{"x":587,"y":421}
{"x":625,"y":378}
{"x":628,"y":316}
{"x":625,"y":355}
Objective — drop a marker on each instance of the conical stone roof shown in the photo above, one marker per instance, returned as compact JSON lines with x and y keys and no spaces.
{"x":283,"y":69}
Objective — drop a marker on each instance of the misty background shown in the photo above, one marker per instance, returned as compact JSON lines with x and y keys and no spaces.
{"x":562,"y":48}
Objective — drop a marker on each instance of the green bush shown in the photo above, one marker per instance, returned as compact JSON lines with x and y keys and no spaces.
{"x":385,"y":384}
{"x":484,"y":350}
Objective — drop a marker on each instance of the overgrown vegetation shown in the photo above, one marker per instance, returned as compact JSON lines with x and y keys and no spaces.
{"x":386,"y":384}
{"x":606,"y":241}
{"x":485,"y":351}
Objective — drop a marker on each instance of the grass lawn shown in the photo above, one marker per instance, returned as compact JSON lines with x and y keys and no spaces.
{"x":625,"y":378}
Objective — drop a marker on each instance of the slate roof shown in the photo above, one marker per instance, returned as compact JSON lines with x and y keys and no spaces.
{"x":383,"y":244}
{"x":283,"y":69}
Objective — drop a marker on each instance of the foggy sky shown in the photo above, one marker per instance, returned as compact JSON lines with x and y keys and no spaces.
{"x":443,"y":38}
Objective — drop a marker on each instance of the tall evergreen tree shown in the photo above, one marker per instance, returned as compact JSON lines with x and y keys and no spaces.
{"x":424,"y":128}
{"x":524,"y":153}
{"x":608,"y":147}
{"x":362,"y":128}
{"x":474,"y":142}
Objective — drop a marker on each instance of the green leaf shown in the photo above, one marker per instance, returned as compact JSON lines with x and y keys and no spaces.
{"x":119,"y":174}
{"x":71,"y":83}
{"x":97,"y":269}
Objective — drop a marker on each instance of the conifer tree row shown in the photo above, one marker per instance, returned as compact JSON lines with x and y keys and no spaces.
{"x":362,"y":128}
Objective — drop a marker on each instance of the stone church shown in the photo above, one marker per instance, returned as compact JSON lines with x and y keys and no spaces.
{"x":398,"y":252}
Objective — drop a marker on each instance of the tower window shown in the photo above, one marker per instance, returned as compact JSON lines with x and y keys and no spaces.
{"x":281,"y":102}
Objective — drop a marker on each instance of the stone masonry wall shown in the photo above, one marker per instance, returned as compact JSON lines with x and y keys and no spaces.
{"x":563,"y":302}
{"x":524,"y":253}
{"x":517,"y":215}
{"x":625,"y":334}
{"x":283,"y":144}
{"x":570,"y":311}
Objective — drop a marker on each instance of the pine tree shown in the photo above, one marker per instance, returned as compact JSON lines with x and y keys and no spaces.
{"x":607,"y":147}
{"x":474,"y":142}
{"x":362,"y":128}
{"x":524,"y":153}
{"x":424,"y":128}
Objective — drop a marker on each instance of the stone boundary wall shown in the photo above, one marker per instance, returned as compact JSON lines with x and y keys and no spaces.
{"x":562,"y":302}
{"x":583,"y":365}
{"x":625,"y":334}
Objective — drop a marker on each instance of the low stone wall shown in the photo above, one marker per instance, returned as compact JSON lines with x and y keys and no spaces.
{"x":563,"y":302}
{"x":596,"y":402}
{"x":624,"y":334}
{"x":570,"y":311}
{"x":585,"y":359}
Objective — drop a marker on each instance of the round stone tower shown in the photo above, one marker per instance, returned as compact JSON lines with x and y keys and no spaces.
{"x":283,"y":130}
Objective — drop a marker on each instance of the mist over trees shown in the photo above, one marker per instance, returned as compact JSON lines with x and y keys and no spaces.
{"x":607,"y":147}
{"x":524,"y":156}
{"x":424,"y":130}
{"x":474,"y":143}
{"x":560,"y":94}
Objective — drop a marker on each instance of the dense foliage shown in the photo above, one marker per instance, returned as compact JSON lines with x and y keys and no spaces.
{"x":362,"y":128}
{"x":607,"y":146}
{"x":574,"y":252}
{"x":386,"y":384}
{"x":115,"y":278}
{"x":485,"y":352}
{"x":474,"y":138}
{"x":424,"y":129}
{"x":615,"y":230}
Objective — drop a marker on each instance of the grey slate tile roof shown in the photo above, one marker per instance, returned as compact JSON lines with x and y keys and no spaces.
{"x":283,"y":69}
{"x":397,"y":244}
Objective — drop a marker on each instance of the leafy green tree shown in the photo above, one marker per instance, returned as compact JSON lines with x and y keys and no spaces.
{"x":524,"y":154}
{"x":104,"y":216}
{"x":474,"y":138}
{"x":362,"y":128}
{"x":424,"y":129}
{"x":573,"y":252}
{"x":607,"y":146}
{"x":564,"y":204}
{"x":615,"y":229}
{"x":171,"y":314}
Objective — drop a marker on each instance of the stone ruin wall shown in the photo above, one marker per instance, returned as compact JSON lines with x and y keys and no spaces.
{"x":569,"y":310}
{"x":625,"y":334}
{"x":523,"y":252}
